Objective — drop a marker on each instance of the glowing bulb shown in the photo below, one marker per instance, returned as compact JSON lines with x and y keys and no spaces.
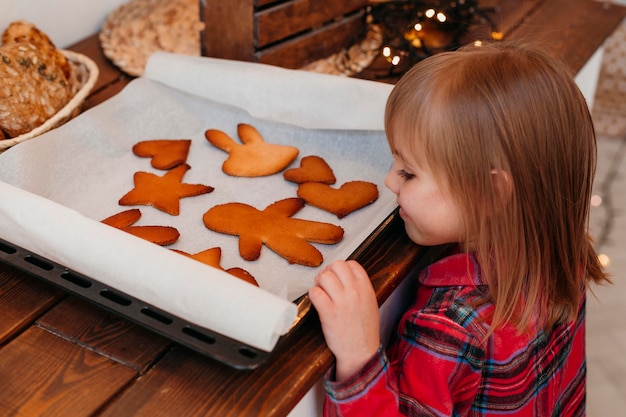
{"x":418,"y":27}
{"x":387,"y":51}
{"x":416,"y":43}
{"x":596,"y":200}
{"x":604,"y":260}
{"x":478,"y":43}
{"x":441,"y":17}
{"x":395,"y":60}
{"x":497,"y":36}
{"x":430,"y":13}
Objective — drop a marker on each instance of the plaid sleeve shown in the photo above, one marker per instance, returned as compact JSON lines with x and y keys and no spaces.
{"x":436,"y":373}
{"x":368,"y":392}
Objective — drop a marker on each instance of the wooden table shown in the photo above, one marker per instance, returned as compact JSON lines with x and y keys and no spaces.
{"x":62,"y":356}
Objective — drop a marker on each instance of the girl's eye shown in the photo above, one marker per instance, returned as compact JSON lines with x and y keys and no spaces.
{"x":405,"y":175}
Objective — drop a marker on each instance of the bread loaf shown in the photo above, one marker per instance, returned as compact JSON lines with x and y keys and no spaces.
{"x":33,"y":81}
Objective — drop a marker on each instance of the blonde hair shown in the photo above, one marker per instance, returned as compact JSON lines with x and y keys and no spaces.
{"x":481,"y":114}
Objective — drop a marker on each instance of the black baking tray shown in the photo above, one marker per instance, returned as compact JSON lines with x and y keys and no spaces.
{"x":205,"y":341}
{"x":202,"y":340}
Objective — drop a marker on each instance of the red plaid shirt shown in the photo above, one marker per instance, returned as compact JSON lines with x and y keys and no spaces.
{"x":440,"y":365}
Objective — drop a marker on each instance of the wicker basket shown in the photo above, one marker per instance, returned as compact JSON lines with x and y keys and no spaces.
{"x":84,"y":76}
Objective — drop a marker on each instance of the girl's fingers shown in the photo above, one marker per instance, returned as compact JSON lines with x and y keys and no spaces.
{"x":329,"y":282}
{"x":319,"y":298}
{"x":354,"y":279}
{"x":342,"y":282}
{"x":357,"y":270}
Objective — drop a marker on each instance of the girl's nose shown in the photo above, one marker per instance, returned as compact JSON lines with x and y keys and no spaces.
{"x":391,"y":181}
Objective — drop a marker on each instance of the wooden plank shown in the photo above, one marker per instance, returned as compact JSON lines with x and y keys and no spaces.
{"x":101,"y":331}
{"x":43,"y":374}
{"x":563,"y":26}
{"x":110,"y":80}
{"x":261,"y":3}
{"x":213,"y":389}
{"x":296,"y":16}
{"x":90,"y":47}
{"x":229,"y":29}
{"x":22,"y":300}
{"x":509,"y":13}
{"x":498,"y":16}
{"x":300,"y":51}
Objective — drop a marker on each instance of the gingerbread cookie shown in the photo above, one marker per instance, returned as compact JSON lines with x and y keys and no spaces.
{"x":312,"y":169}
{"x":163,"y":193}
{"x":164,"y":153}
{"x":253,"y":157}
{"x":350,"y":197}
{"x":275,"y":228}
{"x":124,"y":220}
{"x":212,"y":258}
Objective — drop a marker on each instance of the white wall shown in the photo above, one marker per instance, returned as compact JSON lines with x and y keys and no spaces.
{"x":64,"y":21}
{"x":587,"y":77}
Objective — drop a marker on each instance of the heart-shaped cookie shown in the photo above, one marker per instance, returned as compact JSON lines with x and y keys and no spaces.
{"x":341,"y":201}
{"x":312,"y":169}
{"x":165,"y":153}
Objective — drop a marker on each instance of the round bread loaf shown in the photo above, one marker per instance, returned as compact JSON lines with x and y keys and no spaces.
{"x":22,"y":31}
{"x":32,"y":88}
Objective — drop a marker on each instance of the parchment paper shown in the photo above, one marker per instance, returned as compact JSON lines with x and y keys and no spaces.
{"x":57,"y":187}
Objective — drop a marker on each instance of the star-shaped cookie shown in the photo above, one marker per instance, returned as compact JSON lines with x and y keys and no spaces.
{"x":163,"y":193}
{"x":212,"y":258}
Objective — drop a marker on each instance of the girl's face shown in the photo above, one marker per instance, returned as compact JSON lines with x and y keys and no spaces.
{"x":431,"y":216}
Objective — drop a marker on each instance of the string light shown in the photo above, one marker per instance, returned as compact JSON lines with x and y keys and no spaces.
{"x":596,"y":200}
{"x":412,"y":30}
{"x":604,"y":259}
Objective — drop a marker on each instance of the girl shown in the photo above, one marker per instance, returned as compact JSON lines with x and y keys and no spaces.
{"x":494,"y":151}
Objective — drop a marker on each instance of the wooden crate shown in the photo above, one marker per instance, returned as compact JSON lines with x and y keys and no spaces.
{"x":288,"y":33}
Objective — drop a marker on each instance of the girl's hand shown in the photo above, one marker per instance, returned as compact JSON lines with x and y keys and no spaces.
{"x":347,"y":307}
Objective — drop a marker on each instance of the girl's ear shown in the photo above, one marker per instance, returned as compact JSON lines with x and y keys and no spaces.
{"x":502,"y":184}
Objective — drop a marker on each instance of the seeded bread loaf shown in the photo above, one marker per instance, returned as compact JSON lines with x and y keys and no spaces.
{"x":22,"y":31}
{"x":32,"y":88}
{"x":33,"y":81}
